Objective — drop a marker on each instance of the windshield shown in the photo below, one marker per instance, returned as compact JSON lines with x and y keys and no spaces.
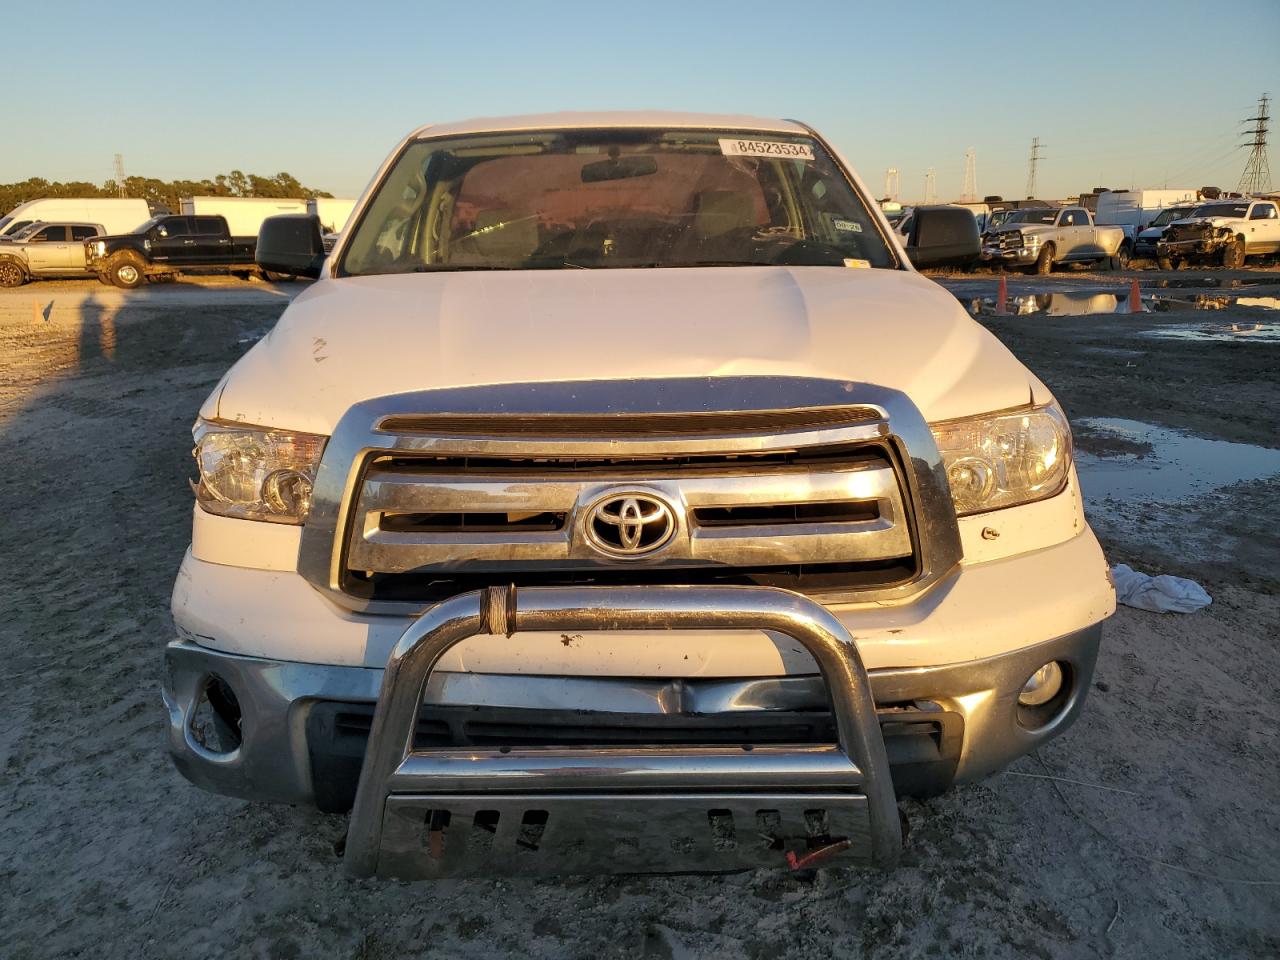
{"x":147,"y":225}
{"x":1037,"y":215}
{"x":1237,"y":210}
{"x":613,"y":198}
{"x":23,"y":232}
{"x":1167,"y":217}
{"x":9,"y":226}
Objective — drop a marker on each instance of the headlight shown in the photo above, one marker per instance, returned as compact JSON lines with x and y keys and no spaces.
{"x":256,"y":474}
{"x":1004,"y":459}
{"x":99,"y":248}
{"x":1031,"y":239}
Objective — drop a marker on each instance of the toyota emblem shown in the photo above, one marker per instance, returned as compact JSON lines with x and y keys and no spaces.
{"x":630,"y":525}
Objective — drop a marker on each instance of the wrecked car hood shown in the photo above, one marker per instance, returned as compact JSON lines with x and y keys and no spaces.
{"x":1206,"y":221}
{"x":356,"y":338}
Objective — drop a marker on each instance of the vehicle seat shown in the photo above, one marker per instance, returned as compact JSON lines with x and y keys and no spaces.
{"x":721,"y":211}
{"x":489,"y":240}
{"x":721,"y":228}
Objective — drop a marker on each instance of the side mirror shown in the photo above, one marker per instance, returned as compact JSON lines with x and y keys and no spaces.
{"x":291,"y":244}
{"x":943,"y":237}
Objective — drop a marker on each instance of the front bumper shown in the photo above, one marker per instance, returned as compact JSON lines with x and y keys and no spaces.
{"x":1019,"y":256}
{"x":287,"y":755}
{"x":1190,"y":248}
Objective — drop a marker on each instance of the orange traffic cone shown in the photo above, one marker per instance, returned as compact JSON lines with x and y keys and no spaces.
{"x":1135,"y":297}
{"x":1003,"y":295}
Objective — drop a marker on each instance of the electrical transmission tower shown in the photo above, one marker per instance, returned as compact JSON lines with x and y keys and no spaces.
{"x":891,"y":184}
{"x":1034,"y":162}
{"x":1257,"y":172}
{"x":930,"y":187}
{"x":970,"y":192}
{"x":120,"y":174}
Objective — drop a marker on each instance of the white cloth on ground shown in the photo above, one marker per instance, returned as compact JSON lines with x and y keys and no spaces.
{"x":1162,"y":594}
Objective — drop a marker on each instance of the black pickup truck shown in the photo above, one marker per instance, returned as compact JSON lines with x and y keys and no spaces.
{"x":167,"y":245}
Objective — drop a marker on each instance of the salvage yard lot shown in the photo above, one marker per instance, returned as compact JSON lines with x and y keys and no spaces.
{"x":1149,"y":830}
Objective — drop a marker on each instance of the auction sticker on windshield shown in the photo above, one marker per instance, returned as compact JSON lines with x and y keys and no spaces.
{"x":765,"y":148}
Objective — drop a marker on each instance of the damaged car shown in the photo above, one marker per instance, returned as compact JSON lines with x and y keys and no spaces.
{"x":1145,"y":244}
{"x":1226,"y":232}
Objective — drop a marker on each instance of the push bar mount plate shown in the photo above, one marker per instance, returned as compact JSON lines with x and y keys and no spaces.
{"x":450,"y":835}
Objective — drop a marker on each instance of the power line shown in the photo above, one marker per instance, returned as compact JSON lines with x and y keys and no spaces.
{"x":969,"y":193}
{"x":891,"y":184}
{"x":1032,"y":164}
{"x":1257,"y":172}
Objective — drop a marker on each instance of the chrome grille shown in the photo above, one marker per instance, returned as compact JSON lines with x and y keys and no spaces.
{"x":829,"y":487}
{"x":417,"y":517}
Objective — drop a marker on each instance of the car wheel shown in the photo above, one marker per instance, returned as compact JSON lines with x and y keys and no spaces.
{"x":127,"y":274}
{"x":1233,"y":254}
{"x":1044,"y":262}
{"x":1121,"y":260}
{"x":11,"y":275}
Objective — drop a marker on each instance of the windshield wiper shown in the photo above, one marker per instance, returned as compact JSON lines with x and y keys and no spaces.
{"x":459,"y":267}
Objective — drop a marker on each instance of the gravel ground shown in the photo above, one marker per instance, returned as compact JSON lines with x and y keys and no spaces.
{"x":1160,"y":838}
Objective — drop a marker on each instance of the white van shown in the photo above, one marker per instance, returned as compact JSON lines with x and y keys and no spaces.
{"x":244,"y":214}
{"x":1135,"y":209}
{"x":115,"y":214}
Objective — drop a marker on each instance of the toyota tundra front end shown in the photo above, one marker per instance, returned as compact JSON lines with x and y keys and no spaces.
{"x":619,"y":499}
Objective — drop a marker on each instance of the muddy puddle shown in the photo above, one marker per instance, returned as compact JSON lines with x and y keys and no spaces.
{"x":1237,"y":330}
{"x":1127,"y":459}
{"x":1253,"y":317}
{"x":1060,"y":303}
{"x":1212,"y":283}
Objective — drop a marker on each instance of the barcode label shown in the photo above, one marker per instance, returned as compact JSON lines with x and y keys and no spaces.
{"x":765,"y":148}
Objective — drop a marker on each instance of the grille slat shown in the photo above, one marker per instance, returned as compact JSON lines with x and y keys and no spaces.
{"x":656,"y":424}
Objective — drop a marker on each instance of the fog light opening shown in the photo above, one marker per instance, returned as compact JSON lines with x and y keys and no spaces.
{"x":215,"y":721}
{"x":1043,"y":686}
{"x":1045,"y":695}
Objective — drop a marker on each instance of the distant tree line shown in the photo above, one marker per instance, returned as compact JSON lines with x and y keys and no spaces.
{"x":164,"y":193}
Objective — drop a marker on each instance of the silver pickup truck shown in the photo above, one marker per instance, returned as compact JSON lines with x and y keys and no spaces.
{"x":46,"y":250}
{"x":1041,"y":237}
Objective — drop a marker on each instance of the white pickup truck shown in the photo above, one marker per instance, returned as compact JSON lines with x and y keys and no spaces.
{"x":1228,"y":231}
{"x":620,"y":499}
{"x":41,"y":250}
{"x":1043,"y":237}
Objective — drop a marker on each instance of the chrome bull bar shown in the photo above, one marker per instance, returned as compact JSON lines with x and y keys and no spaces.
{"x":557,"y":810}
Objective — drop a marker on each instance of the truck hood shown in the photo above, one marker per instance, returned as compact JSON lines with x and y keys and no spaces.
{"x":1027,"y":229}
{"x":356,"y":338}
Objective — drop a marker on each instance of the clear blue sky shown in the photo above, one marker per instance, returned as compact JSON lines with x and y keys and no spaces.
{"x":1122,"y":93}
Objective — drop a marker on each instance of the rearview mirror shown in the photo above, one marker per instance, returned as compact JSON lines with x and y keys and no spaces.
{"x":943,"y":237}
{"x":619,"y":168}
{"x":291,"y":244}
